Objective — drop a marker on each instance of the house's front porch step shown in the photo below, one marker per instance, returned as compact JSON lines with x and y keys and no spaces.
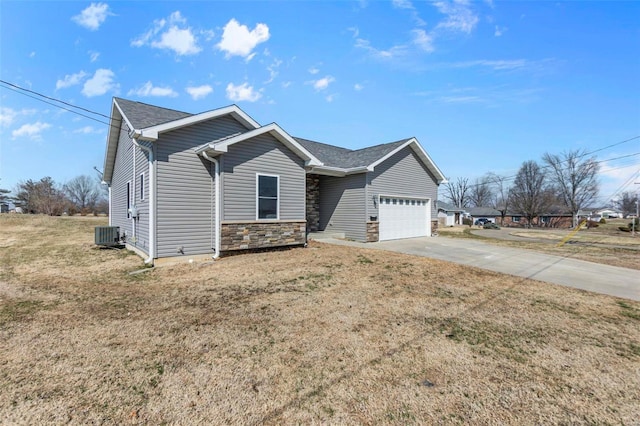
{"x":324,"y":235}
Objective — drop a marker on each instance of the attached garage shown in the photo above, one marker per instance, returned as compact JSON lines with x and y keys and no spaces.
{"x":404,"y":217}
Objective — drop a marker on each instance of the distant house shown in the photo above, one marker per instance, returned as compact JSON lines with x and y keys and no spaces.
{"x":485,"y":213}
{"x":4,"y":207}
{"x":183,"y":185}
{"x":449,"y":215}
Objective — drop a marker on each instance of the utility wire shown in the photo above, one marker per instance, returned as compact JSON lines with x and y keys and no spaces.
{"x":53,"y":99}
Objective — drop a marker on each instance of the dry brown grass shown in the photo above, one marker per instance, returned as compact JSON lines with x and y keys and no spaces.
{"x":324,"y":334}
{"x":607,"y":246}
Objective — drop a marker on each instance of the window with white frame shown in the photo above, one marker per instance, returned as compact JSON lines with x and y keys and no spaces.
{"x":141,"y":186}
{"x":515,"y":218}
{"x":268,"y":196}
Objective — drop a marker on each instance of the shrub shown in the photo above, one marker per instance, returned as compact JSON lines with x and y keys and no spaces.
{"x":603,"y":220}
{"x":467,"y":221}
{"x":592,"y":224}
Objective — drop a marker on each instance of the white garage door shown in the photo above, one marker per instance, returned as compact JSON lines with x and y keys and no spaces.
{"x":403,"y":218}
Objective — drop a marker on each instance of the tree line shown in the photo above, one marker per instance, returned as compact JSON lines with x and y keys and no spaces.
{"x":82,"y":194}
{"x":560,"y":183}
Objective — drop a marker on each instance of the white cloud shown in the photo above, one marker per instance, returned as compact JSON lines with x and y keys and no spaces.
{"x":70,"y":80}
{"x":148,"y":89}
{"x":358,"y":87}
{"x":93,"y":16}
{"x":402,"y":4}
{"x":33,"y":131}
{"x":273,"y":70}
{"x":423,"y":40}
{"x":313,"y":70}
{"x":171,"y":33}
{"x":286,"y":84}
{"x":181,"y":41}
{"x":199,"y":92}
{"x":331,"y":97}
{"x":499,"y":31}
{"x":323,"y":83}
{"x":393,"y":52}
{"x":242,"y":92}
{"x":459,"y":16}
{"x":93,"y":55}
{"x":32,"y":54}
{"x":87,"y":130}
{"x":497,"y":65}
{"x":100,"y":83}
{"x":7,"y":115}
{"x":237,"y":40}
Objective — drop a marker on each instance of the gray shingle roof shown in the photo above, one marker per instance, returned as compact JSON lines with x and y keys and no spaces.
{"x":483,"y":211}
{"x":448,"y":207}
{"x":335,"y":156}
{"x":142,"y":115}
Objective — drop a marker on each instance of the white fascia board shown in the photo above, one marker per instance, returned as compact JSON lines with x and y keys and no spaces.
{"x":276,"y":131}
{"x":337,"y":171}
{"x":233,"y":110}
{"x":417,"y":148}
{"x":115,"y":124}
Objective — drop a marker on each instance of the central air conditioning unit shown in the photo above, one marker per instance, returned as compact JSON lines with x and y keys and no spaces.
{"x":107,"y":236}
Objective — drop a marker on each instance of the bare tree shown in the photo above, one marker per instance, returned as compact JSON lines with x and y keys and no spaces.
{"x":43,"y":196}
{"x":83,"y":192}
{"x":458,"y":192}
{"x":575,"y":178}
{"x":530,"y":195}
{"x":500,"y":199}
{"x":626,"y":203}
{"x":481,"y":193}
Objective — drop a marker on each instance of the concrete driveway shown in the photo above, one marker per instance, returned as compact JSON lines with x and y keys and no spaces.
{"x":611,"y":280}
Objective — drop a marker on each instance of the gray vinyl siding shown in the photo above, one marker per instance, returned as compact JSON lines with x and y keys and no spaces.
{"x":122,"y":172}
{"x":142,"y":223}
{"x":342,"y":205}
{"x":402,"y":174}
{"x":185,"y":188}
{"x":265,"y":155}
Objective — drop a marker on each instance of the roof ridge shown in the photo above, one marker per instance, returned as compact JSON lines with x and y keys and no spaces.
{"x":152,"y":106}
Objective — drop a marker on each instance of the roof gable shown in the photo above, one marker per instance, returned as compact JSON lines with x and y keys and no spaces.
{"x":141,"y":115}
{"x":221,"y":146}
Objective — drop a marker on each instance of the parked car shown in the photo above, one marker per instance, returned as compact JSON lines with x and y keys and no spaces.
{"x":481,"y":221}
{"x":490,"y":225}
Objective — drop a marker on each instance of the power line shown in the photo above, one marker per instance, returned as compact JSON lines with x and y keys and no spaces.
{"x":52,"y":99}
{"x":59,"y":106}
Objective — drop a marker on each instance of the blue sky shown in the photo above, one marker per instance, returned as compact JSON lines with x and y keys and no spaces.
{"x":483,"y":85}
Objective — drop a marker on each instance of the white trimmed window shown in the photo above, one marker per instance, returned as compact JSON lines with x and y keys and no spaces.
{"x":515,"y":218}
{"x":142,"y":186}
{"x":267,"y":196}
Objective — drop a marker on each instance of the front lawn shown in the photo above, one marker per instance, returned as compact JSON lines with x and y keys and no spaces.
{"x":323,"y":334}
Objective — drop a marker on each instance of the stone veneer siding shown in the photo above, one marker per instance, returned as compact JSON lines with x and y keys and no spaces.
{"x":257,"y":235}
{"x":373,"y":232}
{"x":313,"y":202}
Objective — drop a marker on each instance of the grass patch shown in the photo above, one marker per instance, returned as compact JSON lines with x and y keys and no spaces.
{"x":326,"y":334}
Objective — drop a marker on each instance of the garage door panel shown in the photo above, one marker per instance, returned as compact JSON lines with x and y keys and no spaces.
{"x":403,"y":218}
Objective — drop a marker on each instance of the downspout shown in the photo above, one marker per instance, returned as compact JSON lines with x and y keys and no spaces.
{"x":152,"y":200}
{"x":133,"y":193}
{"x":217,"y":208}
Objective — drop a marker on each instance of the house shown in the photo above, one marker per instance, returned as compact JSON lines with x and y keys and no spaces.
{"x":485,"y":213}
{"x":185,"y":185}
{"x":449,"y":215}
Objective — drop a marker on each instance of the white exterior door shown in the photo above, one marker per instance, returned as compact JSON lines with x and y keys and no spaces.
{"x":403,"y":218}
